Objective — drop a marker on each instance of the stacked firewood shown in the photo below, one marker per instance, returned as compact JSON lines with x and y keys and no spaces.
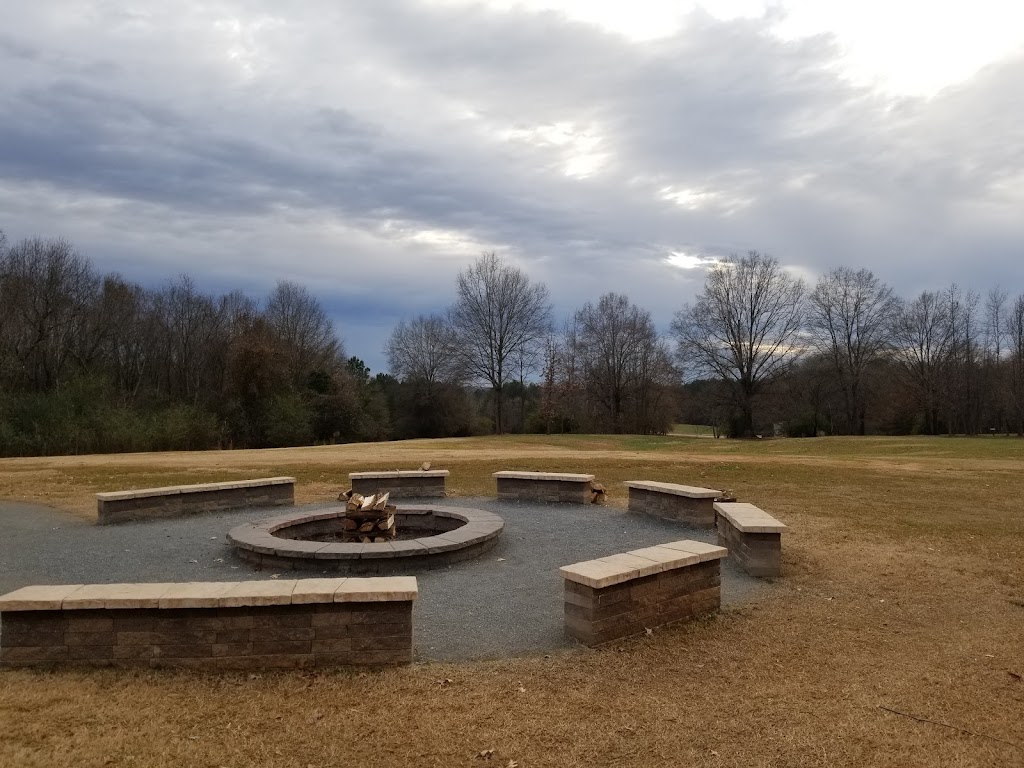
{"x":368,"y":519}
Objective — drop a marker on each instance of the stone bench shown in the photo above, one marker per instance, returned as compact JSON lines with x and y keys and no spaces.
{"x":401,"y":484}
{"x":623,"y":595}
{"x":753,"y":537}
{"x":178,"y":500}
{"x":544,"y":486}
{"x":685,"y":503}
{"x":211,"y":625}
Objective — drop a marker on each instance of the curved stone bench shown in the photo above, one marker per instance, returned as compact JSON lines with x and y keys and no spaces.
{"x":544,"y":486}
{"x":473,"y":532}
{"x":627,"y":594}
{"x":211,"y":625}
{"x":686,"y":503}
{"x":178,"y":500}
{"x":753,"y":537}
{"x":401,"y":484}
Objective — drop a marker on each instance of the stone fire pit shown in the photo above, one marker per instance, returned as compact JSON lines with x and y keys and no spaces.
{"x":428,"y":537}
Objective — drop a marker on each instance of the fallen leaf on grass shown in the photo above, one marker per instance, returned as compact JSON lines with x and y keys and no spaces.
{"x":1014,"y":675}
{"x":485,"y":754}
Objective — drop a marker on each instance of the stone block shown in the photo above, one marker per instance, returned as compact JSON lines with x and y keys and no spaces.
{"x":196,"y":594}
{"x":278,"y":647}
{"x":254,"y":593}
{"x":37,"y":598}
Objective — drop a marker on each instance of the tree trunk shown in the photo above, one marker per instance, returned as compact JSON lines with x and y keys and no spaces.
{"x":498,"y":407}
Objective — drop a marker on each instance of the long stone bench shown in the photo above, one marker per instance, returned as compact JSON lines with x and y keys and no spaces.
{"x":178,"y":500}
{"x":627,"y":594}
{"x":753,"y":537}
{"x":686,"y":503}
{"x":211,"y":625}
{"x":544,"y":486}
{"x":401,"y":484}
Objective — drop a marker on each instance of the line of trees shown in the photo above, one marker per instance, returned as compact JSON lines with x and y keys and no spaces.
{"x":607,"y":370}
{"x":91,"y":362}
{"x":94,"y":363}
{"x":849,"y":356}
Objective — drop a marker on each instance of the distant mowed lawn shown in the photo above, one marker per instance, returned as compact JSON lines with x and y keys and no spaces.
{"x":903,"y":589}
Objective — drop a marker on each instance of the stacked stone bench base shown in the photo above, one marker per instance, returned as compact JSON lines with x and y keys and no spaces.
{"x":544,"y":486}
{"x":221,"y":626}
{"x":179,"y":500}
{"x":627,"y":594}
{"x":421,"y":484}
{"x":753,"y":537}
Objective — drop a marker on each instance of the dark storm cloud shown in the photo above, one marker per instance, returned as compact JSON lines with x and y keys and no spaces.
{"x":357,"y":145}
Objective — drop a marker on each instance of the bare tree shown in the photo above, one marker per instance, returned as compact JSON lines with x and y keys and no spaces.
{"x":745,"y":328}
{"x":301,"y":323}
{"x":498,"y":314}
{"x":47,"y":290}
{"x":922,"y":339}
{"x":622,"y":359}
{"x":423,"y":350}
{"x":850,"y":316}
{"x":960,"y":381}
{"x":1015,"y":338}
{"x":994,"y":335}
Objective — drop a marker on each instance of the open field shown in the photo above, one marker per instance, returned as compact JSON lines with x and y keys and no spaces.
{"x":903,"y":588}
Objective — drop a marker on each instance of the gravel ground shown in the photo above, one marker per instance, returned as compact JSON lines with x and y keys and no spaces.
{"x":507,"y":602}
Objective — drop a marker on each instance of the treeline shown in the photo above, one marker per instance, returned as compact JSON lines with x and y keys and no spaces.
{"x":848,"y":356}
{"x":94,"y":363}
{"x":607,"y":370}
{"x":91,"y":362}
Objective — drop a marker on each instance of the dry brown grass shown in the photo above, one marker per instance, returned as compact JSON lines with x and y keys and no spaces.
{"x":903,"y":587}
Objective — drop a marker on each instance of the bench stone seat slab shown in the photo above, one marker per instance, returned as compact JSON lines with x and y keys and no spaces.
{"x":685,"y":503}
{"x":616,"y":569}
{"x":544,"y":486}
{"x":196,"y":594}
{"x":398,"y":473}
{"x":689,"y":491}
{"x":376,"y":589}
{"x":754,"y":538}
{"x":553,"y":476}
{"x":179,"y":500}
{"x":314,"y":590}
{"x":37,"y":598}
{"x":668,"y":557}
{"x":747,"y":518}
{"x":625,"y":594}
{"x":702,"y":550}
{"x":116,"y":596}
{"x":211,"y":625}
{"x":246,"y":593}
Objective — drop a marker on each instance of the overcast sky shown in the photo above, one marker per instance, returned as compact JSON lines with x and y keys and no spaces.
{"x":371,"y":150}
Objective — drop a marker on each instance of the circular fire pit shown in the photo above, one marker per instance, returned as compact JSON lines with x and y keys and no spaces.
{"x":428,"y":537}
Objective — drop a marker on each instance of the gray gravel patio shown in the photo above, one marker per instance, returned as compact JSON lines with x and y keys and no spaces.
{"x":507,"y":602}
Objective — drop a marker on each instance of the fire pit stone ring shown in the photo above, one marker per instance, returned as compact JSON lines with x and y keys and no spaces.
{"x":442,"y":536}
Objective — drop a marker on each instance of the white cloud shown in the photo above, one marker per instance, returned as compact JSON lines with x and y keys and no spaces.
{"x":604,"y":146}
